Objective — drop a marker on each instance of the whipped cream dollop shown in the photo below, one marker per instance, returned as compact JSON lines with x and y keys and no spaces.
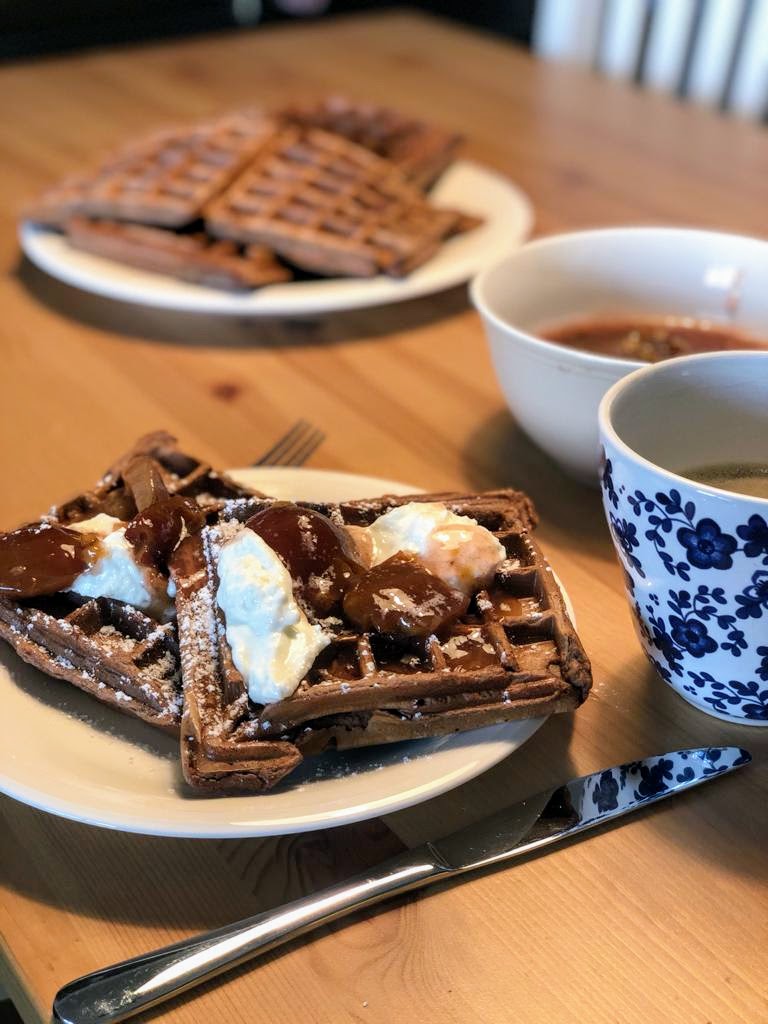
{"x":273,"y":644}
{"x":456,"y":548}
{"x":116,"y":573}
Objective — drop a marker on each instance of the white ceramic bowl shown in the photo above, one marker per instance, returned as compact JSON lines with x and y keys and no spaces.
{"x":554,"y":391}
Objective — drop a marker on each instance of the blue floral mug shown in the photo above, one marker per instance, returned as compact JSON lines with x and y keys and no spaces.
{"x":695,"y":556}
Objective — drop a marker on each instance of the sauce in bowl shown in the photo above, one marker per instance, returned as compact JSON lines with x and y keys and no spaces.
{"x":648,"y":339}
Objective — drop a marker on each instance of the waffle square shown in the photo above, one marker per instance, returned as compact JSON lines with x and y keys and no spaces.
{"x":182,"y":473}
{"x":107,"y":648}
{"x":420,"y":150}
{"x":514,"y":654}
{"x":193,"y":257}
{"x":330,"y":207}
{"x":164,"y":179}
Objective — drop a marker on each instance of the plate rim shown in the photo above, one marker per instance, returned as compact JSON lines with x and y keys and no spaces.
{"x":33,"y":239}
{"x":265,"y":828}
{"x":237,"y":827}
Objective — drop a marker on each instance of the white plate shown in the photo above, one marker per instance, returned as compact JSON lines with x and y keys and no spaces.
{"x":506,"y":210}
{"x":66,"y":754}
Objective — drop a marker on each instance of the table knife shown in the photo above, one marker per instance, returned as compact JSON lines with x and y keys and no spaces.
{"x":119,"y":991}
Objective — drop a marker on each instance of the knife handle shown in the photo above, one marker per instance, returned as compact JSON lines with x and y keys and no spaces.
{"x":119,"y":991}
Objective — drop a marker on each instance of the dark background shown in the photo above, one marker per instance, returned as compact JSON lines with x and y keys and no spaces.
{"x":33,"y":27}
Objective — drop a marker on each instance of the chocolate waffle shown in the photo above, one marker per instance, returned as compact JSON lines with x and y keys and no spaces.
{"x":330,"y":207}
{"x":513,"y":654}
{"x":164,"y":179}
{"x":193,"y":257}
{"x":110,"y":649}
{"x":421,"y":151}
{"x":182,"y":474}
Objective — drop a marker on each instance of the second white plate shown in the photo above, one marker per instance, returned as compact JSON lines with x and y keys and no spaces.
{"x":506,"y":211}
{"x":66,"y":754}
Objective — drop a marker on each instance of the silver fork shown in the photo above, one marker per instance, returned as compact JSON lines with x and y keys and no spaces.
{"x":294,"y":447}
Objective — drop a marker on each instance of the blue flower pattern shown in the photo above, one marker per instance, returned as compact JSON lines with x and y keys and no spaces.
{"x":753,"y":601}
{"x":608,"y":485}
{"x":700,"y":620}
{"x":692,"y":635}
{"x":617,"y":788}
{"x":750,"y":699}
{"x":654,"y":778}
{"x":626,"y":534}
{"x":755,"y":535}
{"x":606,"y":792}
{"x":708,"y":547}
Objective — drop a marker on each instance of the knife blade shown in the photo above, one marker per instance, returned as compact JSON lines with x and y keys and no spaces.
{"x":117,"y":992}
{"x":582,"y":804}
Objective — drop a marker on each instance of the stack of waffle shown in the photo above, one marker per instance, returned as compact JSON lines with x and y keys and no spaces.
{"x":513,"y":652}
{"x":335,"y":189}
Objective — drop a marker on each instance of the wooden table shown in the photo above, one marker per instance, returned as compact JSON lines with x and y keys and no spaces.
{"x":662,"y":920}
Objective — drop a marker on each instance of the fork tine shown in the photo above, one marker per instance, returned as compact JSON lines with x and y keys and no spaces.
{"x":303,"y":452}
{"x":281,"y":448}
{"x":295,"y":449}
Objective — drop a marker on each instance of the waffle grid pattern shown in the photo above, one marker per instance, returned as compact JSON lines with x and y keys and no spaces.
{"x":421,"y":151}
{"x":330,"y":207}
{"x":490,"y":652}
{"x":183,"y":474}
{"x":109,"y":649}
{"x":515,"y":654}
{"x":163,"y":180}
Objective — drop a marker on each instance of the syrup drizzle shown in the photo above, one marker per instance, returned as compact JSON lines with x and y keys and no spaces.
{"x":156,"y":532}
{"x":44,"y":558}
{"x":400,"y":597}
{"x":320,"y":556}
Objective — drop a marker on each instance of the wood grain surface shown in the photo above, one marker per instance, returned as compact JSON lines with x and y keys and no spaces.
{"x":662,"y":920}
